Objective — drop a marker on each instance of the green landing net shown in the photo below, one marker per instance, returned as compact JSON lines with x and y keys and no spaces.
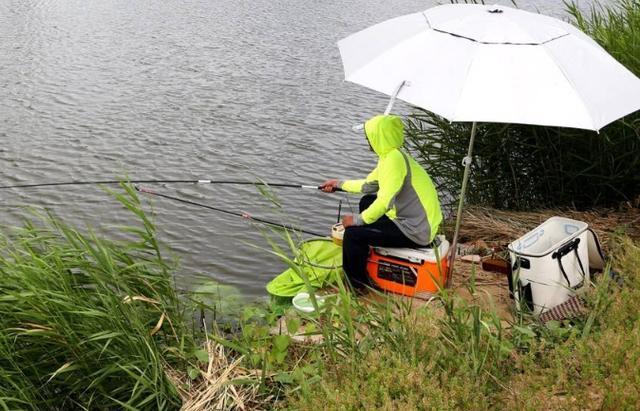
{"x":319,"y":259}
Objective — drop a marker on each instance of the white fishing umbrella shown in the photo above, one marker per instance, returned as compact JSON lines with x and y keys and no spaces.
{"x":477,"y":63}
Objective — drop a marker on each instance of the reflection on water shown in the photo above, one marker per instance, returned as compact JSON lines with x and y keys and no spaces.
{"x":95,"y":89}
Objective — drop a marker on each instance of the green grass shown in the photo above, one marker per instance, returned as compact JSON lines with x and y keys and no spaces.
{"x":597,"y":369}
{"x":85,"y":322}
{"x":454,"y":353}
{"x":88,"y":323}
{"x":461,"y":356}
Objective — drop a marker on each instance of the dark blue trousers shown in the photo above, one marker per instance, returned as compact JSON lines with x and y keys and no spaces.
{"x":358,"y":239}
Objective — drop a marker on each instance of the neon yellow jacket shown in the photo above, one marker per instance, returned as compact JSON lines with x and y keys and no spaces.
{"x":405,"y":192}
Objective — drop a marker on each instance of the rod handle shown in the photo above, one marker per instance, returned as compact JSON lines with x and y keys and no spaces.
{"x":320,"y":188}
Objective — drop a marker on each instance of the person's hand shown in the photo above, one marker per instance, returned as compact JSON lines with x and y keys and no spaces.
{"x":329,"y":186}
{"x":347,"y":221}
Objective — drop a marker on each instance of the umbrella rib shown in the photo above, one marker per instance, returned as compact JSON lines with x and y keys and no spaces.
{"x":493,"y":42}
{"x":427,"y":20}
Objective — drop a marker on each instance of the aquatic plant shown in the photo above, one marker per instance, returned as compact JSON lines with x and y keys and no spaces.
{"x":86,"y":322}
{"x":521,"y":166}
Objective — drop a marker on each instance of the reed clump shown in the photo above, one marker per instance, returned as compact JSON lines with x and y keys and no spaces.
{"x":523,"y":167}
{"x":91,"y":323}
{"x":86,"y":322}
{"x":222,"y":382}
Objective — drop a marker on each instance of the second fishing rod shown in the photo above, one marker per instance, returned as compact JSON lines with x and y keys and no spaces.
{"x":244,"y":215}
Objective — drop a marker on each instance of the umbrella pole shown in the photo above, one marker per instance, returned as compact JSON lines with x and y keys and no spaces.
{"x":465,"y":179}
{"x":392,"y":101}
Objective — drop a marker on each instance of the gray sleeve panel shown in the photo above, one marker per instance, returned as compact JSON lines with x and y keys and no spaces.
{"x":370,"y":187}
{"x":411,"y":217}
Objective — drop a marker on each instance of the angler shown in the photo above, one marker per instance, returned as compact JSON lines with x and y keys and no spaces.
{"x":400,"y":207}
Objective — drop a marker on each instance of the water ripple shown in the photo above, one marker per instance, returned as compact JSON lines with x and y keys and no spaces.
{"x":95,"y":89}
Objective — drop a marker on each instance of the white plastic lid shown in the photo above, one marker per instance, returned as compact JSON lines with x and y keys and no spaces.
{"x":548,"y":236}
{"x":417,"y":255}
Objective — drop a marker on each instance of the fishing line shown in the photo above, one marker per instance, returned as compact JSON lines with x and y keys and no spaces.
{"x":233,"y":213}
{"x":153,"y":181}
{"x":349,"y":204}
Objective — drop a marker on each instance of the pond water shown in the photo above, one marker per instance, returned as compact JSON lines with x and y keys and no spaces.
{"x":189,"y":89}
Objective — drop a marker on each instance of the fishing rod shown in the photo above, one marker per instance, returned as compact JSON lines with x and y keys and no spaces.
{"x":233,"y":213}
{"x":153,"y":181}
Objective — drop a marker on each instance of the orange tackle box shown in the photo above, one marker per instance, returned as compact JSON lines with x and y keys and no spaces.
{"x":415,"y":272}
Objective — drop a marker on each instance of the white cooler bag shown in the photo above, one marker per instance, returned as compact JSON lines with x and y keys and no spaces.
{"x":549,"y":264}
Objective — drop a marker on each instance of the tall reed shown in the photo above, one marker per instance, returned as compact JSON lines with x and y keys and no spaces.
{"x":86,"y":322}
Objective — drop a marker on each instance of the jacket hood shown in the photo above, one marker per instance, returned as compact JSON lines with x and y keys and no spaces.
{"x":384,"y":133}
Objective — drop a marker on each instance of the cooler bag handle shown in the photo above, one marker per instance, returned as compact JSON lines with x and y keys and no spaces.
{"x":524,"y":291}
{"x":518,"y":263}
{"x":564,"y":250}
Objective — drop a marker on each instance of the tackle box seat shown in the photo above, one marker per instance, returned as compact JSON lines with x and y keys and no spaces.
{"x":431,"y":253}
{"x":415,"y":272}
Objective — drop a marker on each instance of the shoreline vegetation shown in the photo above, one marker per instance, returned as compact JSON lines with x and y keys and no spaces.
{"x":92,"y":323}
{"x":89,"y":323}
